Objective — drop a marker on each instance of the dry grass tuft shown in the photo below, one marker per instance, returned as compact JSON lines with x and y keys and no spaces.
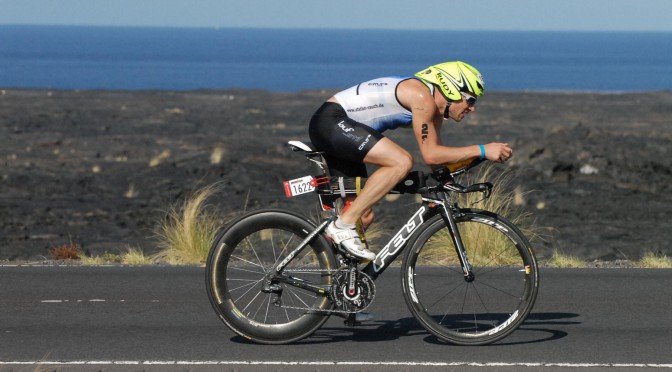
{"x":564,"y":261}
{"x":129,"y":256}
{"x":106,"y":259}
{"x":188,"y":230}
{"x":160,"y":158}
{"x":135,"y":256}
{"x":652,"y":260}
{"x":217,"y":155}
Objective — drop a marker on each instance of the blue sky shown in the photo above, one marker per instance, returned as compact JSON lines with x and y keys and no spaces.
{"x":564,"y":15}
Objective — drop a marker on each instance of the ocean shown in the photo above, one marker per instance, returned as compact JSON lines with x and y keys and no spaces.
{"x":59,"y":57}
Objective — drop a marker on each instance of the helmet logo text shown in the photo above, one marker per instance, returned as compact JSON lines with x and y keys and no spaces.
{"x":444,"y":85}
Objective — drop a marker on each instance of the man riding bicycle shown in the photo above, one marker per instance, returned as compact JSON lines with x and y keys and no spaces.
{"x":348,"y":129}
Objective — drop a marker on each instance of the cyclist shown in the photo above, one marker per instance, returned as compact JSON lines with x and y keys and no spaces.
{"x":348,"y":129}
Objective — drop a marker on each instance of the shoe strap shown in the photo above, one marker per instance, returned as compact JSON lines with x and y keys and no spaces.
{"x":340,"y":235}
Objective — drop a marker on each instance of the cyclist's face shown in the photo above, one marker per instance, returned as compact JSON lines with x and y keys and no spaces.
{"x":457,"y":110}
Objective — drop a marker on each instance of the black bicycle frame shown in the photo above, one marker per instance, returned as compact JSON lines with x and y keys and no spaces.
{"x":392,"y":250}
{"x":429,"y":208}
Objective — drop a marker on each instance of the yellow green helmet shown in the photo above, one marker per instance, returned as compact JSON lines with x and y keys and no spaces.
{"x":453,"y":78}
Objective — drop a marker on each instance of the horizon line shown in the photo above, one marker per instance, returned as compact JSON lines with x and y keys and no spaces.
{"x":284,"y":28}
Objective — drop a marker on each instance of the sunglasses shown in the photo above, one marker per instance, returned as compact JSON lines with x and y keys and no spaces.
{"x":471,"y":100}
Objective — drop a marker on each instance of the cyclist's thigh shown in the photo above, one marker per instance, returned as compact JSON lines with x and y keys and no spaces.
{"x":387,"y":153}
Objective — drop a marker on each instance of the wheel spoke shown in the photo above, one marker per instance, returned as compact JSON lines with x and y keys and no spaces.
{"x":250,"y":262}
{"x":282,"y":252}
{"x":445,"y":295}
{"x":255,"y":254}
{"x":251,"y":285}
{"x":512,"y":295}
{"x":251,"y":301}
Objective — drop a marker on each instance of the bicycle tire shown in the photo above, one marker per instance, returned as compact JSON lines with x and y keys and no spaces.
{"x":236,"y":267}
{"x":470,"y":313}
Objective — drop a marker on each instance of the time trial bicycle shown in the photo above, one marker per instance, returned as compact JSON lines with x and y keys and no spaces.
{"x":469,"y":276}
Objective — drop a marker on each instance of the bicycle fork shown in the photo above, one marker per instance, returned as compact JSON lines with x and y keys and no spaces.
{"x":449,"y":218}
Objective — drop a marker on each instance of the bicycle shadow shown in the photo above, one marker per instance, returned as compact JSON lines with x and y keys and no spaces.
{"x":550,"y":325}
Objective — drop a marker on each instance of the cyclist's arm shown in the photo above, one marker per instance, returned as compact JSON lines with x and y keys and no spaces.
{"x":427,"y":122}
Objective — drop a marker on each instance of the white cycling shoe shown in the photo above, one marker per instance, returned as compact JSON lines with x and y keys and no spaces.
{"x":349,"y":240}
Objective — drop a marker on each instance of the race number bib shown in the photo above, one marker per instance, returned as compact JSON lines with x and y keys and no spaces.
{"x":299,"y":186}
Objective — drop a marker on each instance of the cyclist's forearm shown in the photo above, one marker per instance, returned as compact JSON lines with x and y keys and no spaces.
{"x":441,"y":155}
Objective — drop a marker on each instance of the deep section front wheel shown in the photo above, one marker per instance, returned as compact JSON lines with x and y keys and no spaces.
{"x":241,"y":285}
{"x":478,"y":311}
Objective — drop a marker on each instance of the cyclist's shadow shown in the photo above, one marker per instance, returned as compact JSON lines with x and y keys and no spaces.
{"x":538,"y":327}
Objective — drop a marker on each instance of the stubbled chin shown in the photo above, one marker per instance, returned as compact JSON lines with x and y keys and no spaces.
{"x":457,"y":119}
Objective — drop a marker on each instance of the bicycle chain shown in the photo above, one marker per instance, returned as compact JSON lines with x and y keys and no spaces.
{"x":310,"y":270}
{"x":332,"y":311}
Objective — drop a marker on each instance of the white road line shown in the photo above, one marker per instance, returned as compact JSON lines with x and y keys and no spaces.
{"x":327,"y":363}
{"x":79,"y":301}
{"x":62,"y":301}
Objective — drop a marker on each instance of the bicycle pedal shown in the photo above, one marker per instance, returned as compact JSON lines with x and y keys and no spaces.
{"x":364,"y":317}
{"x":356,"y":319}
{"x":351,"y":320}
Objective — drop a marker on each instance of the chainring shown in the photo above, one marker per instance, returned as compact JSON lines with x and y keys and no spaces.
{"x":352,"y":290}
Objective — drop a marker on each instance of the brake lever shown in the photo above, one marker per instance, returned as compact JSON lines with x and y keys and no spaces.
{"x":485,"y":188}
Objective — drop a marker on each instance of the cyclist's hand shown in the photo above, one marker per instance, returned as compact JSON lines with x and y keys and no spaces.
{"x":498,"y":152}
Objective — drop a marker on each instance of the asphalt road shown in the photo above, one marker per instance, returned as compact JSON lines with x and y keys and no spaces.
{"x":126,"y":318}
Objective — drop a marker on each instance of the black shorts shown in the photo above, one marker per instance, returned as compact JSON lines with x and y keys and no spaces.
{"x":344,"y":141}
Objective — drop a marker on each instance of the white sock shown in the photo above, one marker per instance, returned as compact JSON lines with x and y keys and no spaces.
{"x":342,"y":225}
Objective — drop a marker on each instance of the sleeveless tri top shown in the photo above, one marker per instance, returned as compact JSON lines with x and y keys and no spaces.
{"x":374,"y":103}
